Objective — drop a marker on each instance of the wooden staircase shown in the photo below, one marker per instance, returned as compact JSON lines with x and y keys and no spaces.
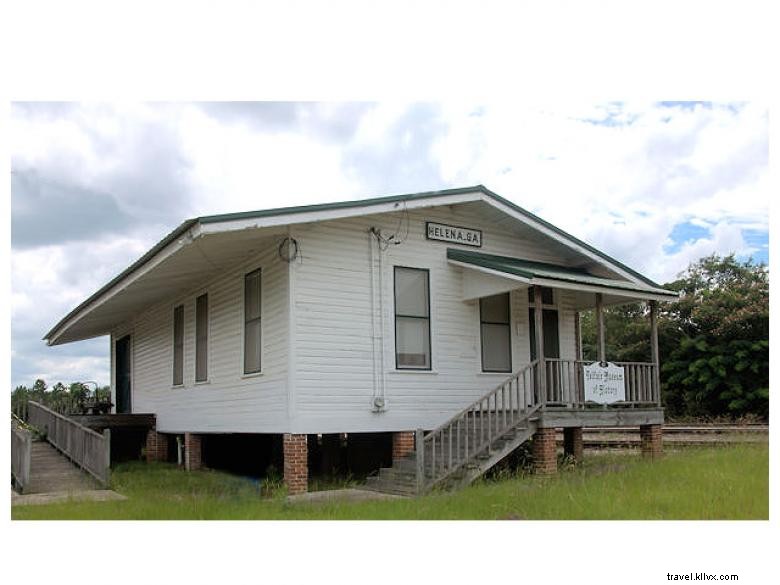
{"x":467,"y":445}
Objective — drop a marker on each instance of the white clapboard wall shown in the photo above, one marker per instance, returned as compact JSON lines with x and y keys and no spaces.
{"x":318,"y":365}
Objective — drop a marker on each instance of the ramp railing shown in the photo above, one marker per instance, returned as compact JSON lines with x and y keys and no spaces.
{"x":89,"y":450}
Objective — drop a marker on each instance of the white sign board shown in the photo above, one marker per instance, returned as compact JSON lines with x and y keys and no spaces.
{"x":453,"y":233}
{"x":604,"y":384}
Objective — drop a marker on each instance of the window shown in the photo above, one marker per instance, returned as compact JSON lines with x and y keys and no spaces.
{"x":412,"y":319}
{"x":178,"y":345}
{"x":495,"y":333}
{"x":252,"y":332}
{"x":547,"y":295}
{"x":202,"y":338}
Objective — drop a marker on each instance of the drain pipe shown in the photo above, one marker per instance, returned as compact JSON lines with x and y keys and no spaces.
{"x":372,"y":305}
{"x":378,"y":402}
{"x":382,"y":403}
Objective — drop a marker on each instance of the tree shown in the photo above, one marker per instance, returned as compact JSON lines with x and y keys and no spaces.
{"x":78,"y":392}
{"x":627,"y":333}
{"x":103,"y":394}
{"x":58,"y":398}
{"x":721,"y":363}
{"x":19,"y":398}
{"x":713,"y":342}
{"x":38,"y":392}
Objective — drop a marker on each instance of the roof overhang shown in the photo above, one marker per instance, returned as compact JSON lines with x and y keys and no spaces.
{"x":176,"y":268}
{"x":487,"y":275}
{"x":202,"y":246}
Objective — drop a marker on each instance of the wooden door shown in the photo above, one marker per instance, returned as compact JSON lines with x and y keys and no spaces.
{"x":123,"y":375}
{"x":552,"y":347}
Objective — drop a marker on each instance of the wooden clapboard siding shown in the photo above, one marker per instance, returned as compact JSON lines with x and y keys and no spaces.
{"x":229,"y":401}
{"x":332,"y":316}
{"x":321,"y":378}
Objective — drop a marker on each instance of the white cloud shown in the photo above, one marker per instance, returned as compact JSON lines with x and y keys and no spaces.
{"x":619,"y":176}
{"x":235,"y":168}
{"x":625,"y":184}
{"x":71,"y":369}
{"x":724,"y":238}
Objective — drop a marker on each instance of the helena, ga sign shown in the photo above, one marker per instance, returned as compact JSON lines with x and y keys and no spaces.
{"x":604,"y":383}
{"x":454,"y":234}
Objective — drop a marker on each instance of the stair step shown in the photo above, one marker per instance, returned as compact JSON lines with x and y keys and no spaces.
{"x":391,"y":490}
{"x":451,"y":445}
{"x":395,"y":475}
{"x":409,"y":464}
{"x":402,"y":484}
{"x":390,"y":487}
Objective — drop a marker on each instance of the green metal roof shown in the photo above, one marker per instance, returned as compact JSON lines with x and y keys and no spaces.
{"x":181,"y":229}
{"x":530,"y":269}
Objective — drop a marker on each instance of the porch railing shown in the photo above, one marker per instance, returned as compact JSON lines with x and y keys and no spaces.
{"x":471,"y":431}
{"x":565,"y":384}
{"x":474,"y":429}
{"x":89,"y":450}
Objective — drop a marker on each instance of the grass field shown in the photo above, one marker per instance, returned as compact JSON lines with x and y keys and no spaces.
{"x":715,"y":483}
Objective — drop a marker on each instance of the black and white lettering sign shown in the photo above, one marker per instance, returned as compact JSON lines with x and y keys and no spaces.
{"x":604,"y":384}
{"x":453,"y":233}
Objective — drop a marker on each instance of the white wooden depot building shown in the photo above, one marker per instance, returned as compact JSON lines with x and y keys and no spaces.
{"x":417,"y":317}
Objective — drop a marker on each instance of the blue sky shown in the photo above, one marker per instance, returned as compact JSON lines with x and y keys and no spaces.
{"x":655,"y":184}
{"x":687,"y":232}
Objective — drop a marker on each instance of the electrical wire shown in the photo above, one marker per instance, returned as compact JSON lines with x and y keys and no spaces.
{"x":395,"y":238}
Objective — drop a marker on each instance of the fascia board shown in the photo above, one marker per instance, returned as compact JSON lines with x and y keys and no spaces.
{"x":342,"y":213}
{"x":559,"y":238}
{"x":618,"y":292}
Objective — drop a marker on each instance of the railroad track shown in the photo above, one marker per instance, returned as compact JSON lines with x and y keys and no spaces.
{"x":675,"y":435}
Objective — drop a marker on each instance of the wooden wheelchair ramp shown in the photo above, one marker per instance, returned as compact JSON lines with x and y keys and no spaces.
{"x":72,"y":458}
{"x":52,"y":472}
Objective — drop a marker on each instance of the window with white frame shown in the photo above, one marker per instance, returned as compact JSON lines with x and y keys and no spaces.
{"x":412,"y":319}
{"x":178,"y":345}
{"x":495,"y":333}
{"x":252,"y":318}
{"x":202,"y":338}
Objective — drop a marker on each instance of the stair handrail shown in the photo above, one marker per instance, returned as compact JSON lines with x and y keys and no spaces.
{"x":487,"y":394}
{"x":517,"y":413}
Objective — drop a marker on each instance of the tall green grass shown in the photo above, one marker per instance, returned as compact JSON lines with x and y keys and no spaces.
{"x":696,"y":484}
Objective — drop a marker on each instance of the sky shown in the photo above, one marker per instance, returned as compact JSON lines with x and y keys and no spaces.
{"x":656,"y":185}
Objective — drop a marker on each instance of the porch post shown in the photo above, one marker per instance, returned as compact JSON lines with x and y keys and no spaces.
{"x":654,"y":351}
{"x":601,"y":345}
{"x":539,"y":326}
{"x":578,"y":374}
{"x":577,"y":336}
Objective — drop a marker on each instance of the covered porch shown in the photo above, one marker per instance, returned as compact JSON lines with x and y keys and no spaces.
{"x":549,"y":392}
{"x":559,"y":383}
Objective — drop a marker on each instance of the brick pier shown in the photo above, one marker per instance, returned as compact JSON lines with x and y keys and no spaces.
{"x":651,"y":439}
{"x":543,"y":450}
{"x":296,"y":466}
{"x":403,"y":444}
